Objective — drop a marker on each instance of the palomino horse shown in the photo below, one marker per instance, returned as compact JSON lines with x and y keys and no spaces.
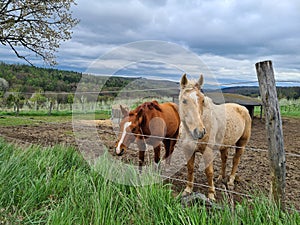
{"x":150,"y":123}
{"x":207,"y":127}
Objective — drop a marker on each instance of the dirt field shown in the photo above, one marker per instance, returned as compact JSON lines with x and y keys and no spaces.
{"x":253,"y":173}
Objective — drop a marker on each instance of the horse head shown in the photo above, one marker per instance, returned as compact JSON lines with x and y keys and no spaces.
{"x":129,"y":129}
{"x":191,"y":103}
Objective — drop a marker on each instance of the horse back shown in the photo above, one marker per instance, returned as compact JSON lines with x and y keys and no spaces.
{"x":238,"y":123}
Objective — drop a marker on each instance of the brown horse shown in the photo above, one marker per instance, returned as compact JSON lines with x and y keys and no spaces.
{"x":150,"y":123}
{"x":208,"y":127}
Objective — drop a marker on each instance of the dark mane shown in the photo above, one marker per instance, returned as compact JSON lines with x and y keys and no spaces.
{"x":153,"y":105}
{"x":149,"y":105}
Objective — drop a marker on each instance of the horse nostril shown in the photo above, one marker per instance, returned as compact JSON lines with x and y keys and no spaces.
{"x":122,"y":152}
{"x":197,"y":134}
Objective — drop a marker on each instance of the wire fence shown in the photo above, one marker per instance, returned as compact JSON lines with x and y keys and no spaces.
{"x":176,"y":139}
{"x":224,"y":190}
{"x":124,"y":90}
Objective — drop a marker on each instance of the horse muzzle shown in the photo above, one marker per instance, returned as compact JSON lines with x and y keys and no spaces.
{"x":198,"y":134}
{"x":120,"y":150}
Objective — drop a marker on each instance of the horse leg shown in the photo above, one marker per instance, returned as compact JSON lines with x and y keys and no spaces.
{"x":167,"y":149}
{"x":141,"y":160}
{"x":172,"y":146}
{"x":224,"y":157}
{"x":209,"y":171}
{"x":236,"y":160}
{"x":157,"y":156}
{"x":190,"y":176}
{"x":142,"y":148}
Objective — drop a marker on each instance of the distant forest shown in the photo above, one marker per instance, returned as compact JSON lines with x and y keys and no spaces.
{"x":282,"y":92}
{"x":28,"y":80}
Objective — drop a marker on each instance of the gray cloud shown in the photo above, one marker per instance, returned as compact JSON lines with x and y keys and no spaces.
{"x":230,"y":36}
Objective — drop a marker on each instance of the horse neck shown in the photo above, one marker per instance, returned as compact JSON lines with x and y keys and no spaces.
{"x":214,"y":115}
{"x":210,"y":110}
{"x":208,"y":104}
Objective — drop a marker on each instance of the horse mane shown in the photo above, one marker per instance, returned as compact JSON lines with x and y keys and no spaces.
{"x":150,"y":105}
{"x":147,"y":105}
{"x":208,"y":100}
{"x":154,"y":105}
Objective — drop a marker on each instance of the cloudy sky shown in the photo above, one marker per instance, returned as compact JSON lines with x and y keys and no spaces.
{"x":163,"y":38}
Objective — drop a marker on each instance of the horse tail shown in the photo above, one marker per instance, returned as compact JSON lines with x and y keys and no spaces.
{"x":247,"y":129}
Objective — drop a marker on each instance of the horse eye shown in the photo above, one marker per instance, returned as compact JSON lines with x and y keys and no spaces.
{"x":184,"y":101}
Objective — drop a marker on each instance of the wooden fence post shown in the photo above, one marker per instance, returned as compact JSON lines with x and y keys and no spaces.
{"x":268,"y":94}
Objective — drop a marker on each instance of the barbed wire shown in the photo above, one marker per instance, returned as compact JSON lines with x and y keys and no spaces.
{"x":206,"y":143}
{"x":206,"y":186}
{"x":220,"y":189}
{"x":116,"y":132}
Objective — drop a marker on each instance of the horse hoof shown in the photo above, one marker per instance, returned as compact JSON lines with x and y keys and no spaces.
{"x":230,"y":185}
{"x":220,"y":179}
{"x":211,"y":196}
{"x":185,"y":193}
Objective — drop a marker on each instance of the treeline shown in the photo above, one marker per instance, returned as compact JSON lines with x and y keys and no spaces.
{"x":282,"y":92}
{"x":46,"y":87}
{"x":29,"y":79}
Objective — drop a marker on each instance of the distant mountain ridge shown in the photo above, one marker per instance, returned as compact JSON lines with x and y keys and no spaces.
{"x":253,"y":91}
{"x":29,"y":79}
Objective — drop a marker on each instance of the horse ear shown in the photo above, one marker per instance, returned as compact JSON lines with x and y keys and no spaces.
{"x":200,"y":82}
{"x":124,"y":111}
{"x":183,"y":81}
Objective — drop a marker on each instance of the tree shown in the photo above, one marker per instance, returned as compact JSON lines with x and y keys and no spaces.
{"x":3,"y":86}
{"x":36,"y":25}
{"x":70,"y":100}
{"x":38,"y":98}
{"x":16,"y":99}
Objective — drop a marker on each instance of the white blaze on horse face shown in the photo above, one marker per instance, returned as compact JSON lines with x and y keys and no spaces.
{"x":194,"y":96}
{"x":127,"y":124}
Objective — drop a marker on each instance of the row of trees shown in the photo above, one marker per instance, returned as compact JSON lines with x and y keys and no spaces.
{"x":35,"y":87}
{"x":48,"y":100}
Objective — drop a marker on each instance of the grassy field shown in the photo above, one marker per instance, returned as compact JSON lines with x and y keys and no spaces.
{"x":56,"y":186}
{"x":285,"y":111}
{"x":34,"y":117}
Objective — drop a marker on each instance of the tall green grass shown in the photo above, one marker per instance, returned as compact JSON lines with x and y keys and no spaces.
{"x":57,"y":186}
